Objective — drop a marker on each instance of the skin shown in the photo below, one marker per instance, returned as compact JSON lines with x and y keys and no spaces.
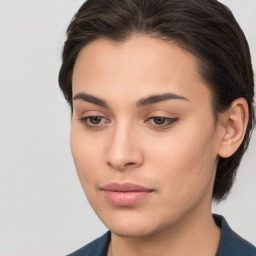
{"x":178,"y":162}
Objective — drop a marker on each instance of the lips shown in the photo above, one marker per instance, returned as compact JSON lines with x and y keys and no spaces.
{"x":126,"y":194}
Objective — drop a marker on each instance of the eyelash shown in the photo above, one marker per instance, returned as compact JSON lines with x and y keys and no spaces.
{"x":170,"y":121}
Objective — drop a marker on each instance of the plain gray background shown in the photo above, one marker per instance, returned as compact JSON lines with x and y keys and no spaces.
{"x":43,"y":210}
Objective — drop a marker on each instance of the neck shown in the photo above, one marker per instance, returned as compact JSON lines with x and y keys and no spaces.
{"x":194,"y":233}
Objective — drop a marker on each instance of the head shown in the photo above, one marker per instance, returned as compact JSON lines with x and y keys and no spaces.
{"x":184,"y":143}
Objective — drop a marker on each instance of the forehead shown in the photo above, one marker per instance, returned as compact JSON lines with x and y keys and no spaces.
{"x":142,"y":65}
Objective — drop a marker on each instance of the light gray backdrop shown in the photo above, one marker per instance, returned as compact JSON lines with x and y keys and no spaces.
{"x":43,"y":211}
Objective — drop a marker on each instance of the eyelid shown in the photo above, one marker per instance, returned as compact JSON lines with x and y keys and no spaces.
{"x":162,"y":113}
{"x":167,"y":120}
{"x":84,"y":120}
{"x":91,"y":113}
{"x":170,"y":121}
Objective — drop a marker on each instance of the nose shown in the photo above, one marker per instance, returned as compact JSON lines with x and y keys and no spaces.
{"x":124,"y":150}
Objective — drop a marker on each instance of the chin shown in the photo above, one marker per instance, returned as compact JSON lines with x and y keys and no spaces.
{"x":133,"y":232}
{"x":133,"y":225}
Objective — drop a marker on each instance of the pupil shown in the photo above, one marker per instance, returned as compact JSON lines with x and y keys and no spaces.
{"x":95,"y":119}
{"x":159,"y":120}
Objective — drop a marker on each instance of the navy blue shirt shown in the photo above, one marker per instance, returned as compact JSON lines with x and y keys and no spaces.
{"x":231,"y":244}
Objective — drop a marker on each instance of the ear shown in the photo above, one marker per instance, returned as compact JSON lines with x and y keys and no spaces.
{"x":233,"y":123}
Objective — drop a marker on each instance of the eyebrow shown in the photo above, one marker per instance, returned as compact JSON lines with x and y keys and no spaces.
{"x":91,"y":99}
{"x":152,"y":99}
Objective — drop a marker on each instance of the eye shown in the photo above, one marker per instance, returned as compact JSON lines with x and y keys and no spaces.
{"x":92,"y":122}
{"x":160,"y":121}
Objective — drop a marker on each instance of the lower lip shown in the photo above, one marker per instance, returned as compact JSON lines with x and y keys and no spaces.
{"x":125,"y":198}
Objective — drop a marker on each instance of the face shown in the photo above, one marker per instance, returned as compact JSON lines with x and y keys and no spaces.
{"x":143,"y":134}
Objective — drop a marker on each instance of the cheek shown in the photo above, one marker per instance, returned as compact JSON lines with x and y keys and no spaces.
{"x":185,"y":161}
{"x":86,"y":154}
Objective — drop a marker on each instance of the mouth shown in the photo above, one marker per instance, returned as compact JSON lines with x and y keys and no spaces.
{"x":125,"y":194}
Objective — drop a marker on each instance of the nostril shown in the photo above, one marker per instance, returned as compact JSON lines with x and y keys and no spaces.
{"x":121,"y":166}
{"x":129,"y":164}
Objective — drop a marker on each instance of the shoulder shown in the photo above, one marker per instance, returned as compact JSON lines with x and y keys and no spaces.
{"x":231,"y":244}
{"x":98,"y":247}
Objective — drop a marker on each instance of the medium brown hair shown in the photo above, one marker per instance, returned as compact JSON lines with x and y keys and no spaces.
{"x":205,"y":28}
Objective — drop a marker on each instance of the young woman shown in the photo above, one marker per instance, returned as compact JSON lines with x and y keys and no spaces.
{"x":161,"y":93}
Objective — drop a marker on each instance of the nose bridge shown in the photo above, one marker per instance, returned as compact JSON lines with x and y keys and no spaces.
{"x":123,"y":150}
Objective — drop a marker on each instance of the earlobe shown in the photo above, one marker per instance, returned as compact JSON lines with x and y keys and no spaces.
{"x":234,"y":124}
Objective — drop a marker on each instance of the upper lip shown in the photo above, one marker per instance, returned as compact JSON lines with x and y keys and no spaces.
{"x":125,"y":187}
